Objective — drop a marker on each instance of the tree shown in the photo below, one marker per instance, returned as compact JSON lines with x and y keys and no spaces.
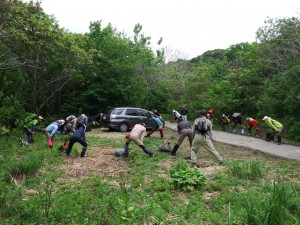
{"x":48,"y":54}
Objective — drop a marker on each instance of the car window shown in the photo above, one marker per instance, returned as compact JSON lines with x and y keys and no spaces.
{"x":118,"y":111}
{"x":131,"y":112}
{"x":142,"y":113}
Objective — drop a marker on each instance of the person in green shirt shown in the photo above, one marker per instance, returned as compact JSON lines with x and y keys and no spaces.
{"x":276,"y":126}
{"x":29,"y":126}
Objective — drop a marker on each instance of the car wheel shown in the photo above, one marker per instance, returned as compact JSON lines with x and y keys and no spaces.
{"x":123,"y":127}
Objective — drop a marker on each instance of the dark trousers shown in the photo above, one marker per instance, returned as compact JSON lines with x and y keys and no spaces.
{"x":73,"y":140}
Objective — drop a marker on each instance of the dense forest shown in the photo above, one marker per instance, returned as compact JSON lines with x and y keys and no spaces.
{"x":53,"y":72}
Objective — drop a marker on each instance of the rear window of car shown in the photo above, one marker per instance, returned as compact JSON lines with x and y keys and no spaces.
{"x":131,"y":112}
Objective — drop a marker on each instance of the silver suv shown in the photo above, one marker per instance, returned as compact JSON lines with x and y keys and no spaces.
{"x":124,"y":118}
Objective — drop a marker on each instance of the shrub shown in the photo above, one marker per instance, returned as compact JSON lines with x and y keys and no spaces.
{"x":187,"y":178}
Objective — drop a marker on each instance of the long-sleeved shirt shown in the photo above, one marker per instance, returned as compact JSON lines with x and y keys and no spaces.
{"x":156,"y":121}
{"x":52,"y":128}
{"x":195,"y":126}
{"x":80,"y":133}
{"x":252,"y":122}
{"x":184,"y":111}
{"x":183,"y":125}
{"x":138,"y":131}
{"x":273,"y":124}
{"x":176,"y":114}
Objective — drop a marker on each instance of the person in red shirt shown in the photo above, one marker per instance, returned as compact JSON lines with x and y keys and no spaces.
{"x":252,"y":123}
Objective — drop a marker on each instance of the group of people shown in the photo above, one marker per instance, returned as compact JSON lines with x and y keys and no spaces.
{"x":73,"y":126}
{"x":199,"y":135}
{"x":237,"y":121}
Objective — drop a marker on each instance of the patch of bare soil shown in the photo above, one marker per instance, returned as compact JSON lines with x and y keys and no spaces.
{"x":100,"y":160}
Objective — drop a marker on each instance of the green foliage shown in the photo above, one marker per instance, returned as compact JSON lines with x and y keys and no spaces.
{"x":27,"y":166}
{"x":10,"y":111}
{"x":187,"y":178}
{"x":274,"y":208}
{"x":75,"y":73}
{"x":247,"y":169}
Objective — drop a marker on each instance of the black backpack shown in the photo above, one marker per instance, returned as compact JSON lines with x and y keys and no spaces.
{"x":203,"y":126}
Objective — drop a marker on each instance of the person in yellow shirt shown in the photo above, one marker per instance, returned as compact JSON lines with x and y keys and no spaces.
{"x":276,"y":126}
{"x":29,"y":125}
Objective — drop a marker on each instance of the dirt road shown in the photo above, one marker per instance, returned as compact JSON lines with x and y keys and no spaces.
{"x":283,"y":151}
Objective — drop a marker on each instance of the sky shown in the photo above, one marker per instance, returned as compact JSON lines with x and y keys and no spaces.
{"x":188,"y":28}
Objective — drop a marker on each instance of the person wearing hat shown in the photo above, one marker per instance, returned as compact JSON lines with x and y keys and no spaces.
{"x":202,"y":134}
{"x":137,"y":135}
{"x":29,"y":127}
{"x":78,"y":136}
{"x":184,"y":130}
{"x":237,"y":119}
{"x":176,"y":116}
{"x":211,"y":115}
{"x":51,"y":130}
{"x":276,"y":127}
{"x":252,"y":123}
{"x":225,"y":121}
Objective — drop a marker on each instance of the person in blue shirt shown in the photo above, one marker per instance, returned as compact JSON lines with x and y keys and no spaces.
{"x":158,"y":125}
{"x":51,"y":130}
{"x":78,"y":136}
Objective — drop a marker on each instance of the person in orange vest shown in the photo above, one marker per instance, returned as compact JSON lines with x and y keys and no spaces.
{"x":252,"y":123}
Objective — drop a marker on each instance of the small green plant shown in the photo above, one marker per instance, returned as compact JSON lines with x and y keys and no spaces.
{"x":187,"y":178}
{"x":247,"y":169}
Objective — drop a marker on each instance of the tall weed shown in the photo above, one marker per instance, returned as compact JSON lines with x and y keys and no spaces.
{"x":273,"y":209}
{"x":27,"y":166}
{"x":247,"y":169}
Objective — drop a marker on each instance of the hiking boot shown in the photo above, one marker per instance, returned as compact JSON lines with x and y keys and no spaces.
{"x":221,"y":163}
{"x":172,"y":153}
{"x":84,"y":156}
{"x":153,"y":155}
{"x":279,"y":143}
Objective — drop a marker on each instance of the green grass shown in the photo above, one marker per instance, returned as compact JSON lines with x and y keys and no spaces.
{"x":249,"y":189}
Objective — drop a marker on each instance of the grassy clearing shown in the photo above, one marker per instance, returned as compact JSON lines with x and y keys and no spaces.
{"x":42,"y":186}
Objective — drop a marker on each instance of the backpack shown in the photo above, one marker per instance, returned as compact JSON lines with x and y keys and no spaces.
{"x":202,"y":126}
